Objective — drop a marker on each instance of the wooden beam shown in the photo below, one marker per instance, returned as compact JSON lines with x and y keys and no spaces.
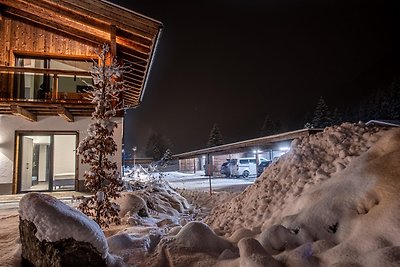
{"x":8,"y":69}
{"x":113,"y":40}
{"x":90,"y":16}
{"x":73,"y":28}
{"x":114,"y":13}
{"x":76,"y":13}
{"x":41,"y":55}
{"x":64,"y":113}
{"x":21,"y":112}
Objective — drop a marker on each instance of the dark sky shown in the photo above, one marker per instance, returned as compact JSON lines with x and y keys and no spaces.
{"x":232,"y":62}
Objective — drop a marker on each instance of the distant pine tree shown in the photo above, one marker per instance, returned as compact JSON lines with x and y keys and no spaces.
{"x":336,"y":117}
{"x":392,"y":100}
{"x":215,"y":138}
{"x":270,"y":126}
{"x":322,"y":117}
{"x":277,"y":127}
{"x":307,"y":120}
{"x":157,"y":145}
{"x":267,"y":127}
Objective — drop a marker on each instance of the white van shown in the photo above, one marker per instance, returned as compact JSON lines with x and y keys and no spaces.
{"x":247,"y":167}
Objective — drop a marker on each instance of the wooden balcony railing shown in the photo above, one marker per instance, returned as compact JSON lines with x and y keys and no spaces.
{"x":8,"y":87}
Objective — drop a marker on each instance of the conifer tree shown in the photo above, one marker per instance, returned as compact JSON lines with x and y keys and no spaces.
{"x":392,"y":100}
{"x":157,"y":145}
{"x":215,"y":138}
{"x":270,"y":127}
{"x":103,"y":178}
{"x":336,"y":117}
{"x":267,"y":127}
{"x":322,"y":117}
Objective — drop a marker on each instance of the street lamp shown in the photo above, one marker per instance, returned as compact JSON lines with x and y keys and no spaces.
{"x":134,"y":154}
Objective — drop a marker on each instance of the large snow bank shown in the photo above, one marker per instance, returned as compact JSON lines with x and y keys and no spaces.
{"x":311,"y":160}
{"x":331,"y":201}
{"x":56,"y":220}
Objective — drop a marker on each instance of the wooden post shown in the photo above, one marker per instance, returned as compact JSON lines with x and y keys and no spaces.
{"x":113,"y":41}
{"x":55,"y":87}
{"x":209,"y":171}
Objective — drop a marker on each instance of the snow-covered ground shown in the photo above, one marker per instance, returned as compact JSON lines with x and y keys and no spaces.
{"x":198,"y":181}
{"x":332,"y":200}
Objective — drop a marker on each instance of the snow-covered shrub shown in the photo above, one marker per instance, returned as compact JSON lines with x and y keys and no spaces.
{"x":103,"y":178}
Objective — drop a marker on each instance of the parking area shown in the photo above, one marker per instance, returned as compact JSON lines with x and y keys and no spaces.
{"x":199,"y":181}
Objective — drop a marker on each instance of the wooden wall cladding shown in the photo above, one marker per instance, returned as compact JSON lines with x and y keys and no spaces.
{"x":17,"y":35}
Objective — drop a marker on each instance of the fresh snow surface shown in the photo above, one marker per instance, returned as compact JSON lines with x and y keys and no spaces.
{"x":310,"y":161}
{"x":56,"y":220}
{"x":332,"y":200}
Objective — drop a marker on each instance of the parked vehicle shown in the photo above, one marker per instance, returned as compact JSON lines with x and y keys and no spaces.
{"x":261,"y":167}
{"x":228,"y":168}
{"x":225,"y":169}
{"x":248,"y":166}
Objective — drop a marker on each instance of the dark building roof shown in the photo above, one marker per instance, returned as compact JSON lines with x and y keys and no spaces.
{"x":257,"y":143}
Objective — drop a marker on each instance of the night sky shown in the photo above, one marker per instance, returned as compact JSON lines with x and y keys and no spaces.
{"x":234,"y":62}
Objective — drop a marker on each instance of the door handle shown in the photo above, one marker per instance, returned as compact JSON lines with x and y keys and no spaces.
{"x":27,"y":165}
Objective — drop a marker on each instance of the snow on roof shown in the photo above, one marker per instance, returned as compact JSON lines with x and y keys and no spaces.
{"x":56,"y":220}
{"x":390,"y":123}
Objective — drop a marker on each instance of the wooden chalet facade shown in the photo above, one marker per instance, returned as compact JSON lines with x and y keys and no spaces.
{"x":47,"y":48}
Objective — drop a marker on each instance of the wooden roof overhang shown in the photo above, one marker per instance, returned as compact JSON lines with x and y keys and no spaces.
{"x":31,"y":109}
{"x":266,"y":142}
{"x":132,"y":37}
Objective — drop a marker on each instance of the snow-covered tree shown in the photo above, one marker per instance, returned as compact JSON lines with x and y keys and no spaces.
{"x":215,"y":138}
{"x":103,"y":178}
{"x":157,"y":145}
{"x":322,"y":117}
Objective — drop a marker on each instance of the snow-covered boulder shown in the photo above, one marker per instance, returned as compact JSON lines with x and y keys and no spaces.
{"x":55,"y":234}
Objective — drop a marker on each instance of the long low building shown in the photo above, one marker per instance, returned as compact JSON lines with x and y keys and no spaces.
{"x":269,"y":147}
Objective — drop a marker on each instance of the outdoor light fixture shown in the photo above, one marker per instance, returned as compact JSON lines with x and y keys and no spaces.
{"x":284,"y":148}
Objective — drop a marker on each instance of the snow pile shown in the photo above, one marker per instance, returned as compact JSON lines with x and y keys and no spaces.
{"x":153,"y":196}
{"x":148,"y":213}
{"x":311,"y":160}
{"x":56,"y":220}
{"x":332,"y":201}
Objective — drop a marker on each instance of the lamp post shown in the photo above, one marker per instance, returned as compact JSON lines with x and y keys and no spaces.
{"x":134,"y":155}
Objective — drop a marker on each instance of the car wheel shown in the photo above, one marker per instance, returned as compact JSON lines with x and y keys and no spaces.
{"x":246,"y":174}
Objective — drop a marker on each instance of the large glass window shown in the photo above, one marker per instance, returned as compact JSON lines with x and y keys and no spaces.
{"x":47,"y":162}
{"x":32,"y":85}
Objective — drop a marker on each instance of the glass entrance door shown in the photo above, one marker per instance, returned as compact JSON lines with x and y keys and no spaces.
{"x":47,"y":162}
{"x":64,"y":160}
{"x":34,"y":165}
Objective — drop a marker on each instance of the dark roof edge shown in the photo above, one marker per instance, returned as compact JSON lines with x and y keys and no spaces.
{"x":250,"y":142}
{"x":131,"y":11}
{"x":150,"y":64}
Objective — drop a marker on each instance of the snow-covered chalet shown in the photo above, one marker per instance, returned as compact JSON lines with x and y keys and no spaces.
{"x":47,"y":48}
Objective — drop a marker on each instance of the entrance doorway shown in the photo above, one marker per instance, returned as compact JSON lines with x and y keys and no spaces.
{"x":47,"y":161}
